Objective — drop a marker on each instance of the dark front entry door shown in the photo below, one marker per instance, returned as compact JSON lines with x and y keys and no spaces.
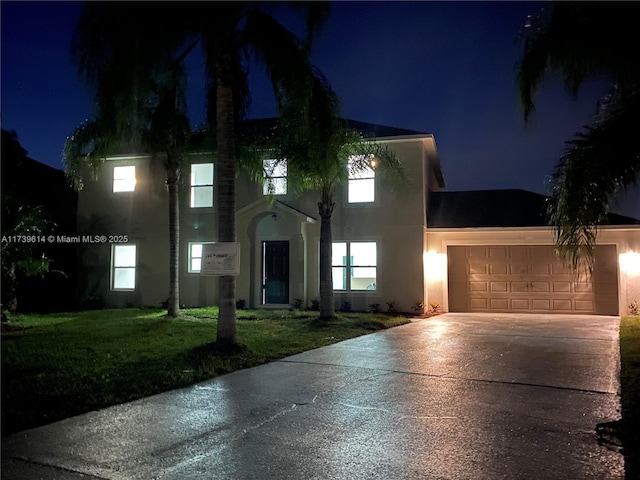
{"x":275,"y":268}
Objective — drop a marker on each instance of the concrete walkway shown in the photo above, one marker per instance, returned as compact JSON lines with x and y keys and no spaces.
{"x":457,"y":396}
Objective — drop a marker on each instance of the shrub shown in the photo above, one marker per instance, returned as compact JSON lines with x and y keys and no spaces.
{"x":374,"y":308}
{"x":392,"y":307}
{"x":418,"y":307}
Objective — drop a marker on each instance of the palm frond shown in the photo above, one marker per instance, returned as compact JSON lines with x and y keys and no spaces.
{"x":579,"y":40}
{"x":598,"y":163}
{"x":83,"y":150}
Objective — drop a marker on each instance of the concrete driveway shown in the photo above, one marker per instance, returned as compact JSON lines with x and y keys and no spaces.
{"x":457,"y":396}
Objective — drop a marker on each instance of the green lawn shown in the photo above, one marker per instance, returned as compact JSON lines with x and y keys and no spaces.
{"x":59,"y":365}
{"x":630,"y":388}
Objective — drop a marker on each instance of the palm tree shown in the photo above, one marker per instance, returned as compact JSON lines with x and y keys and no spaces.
{"x":233,"y":33}
{"x":135,"y":66}
{"x":322,"y":151}
{"x":122,"y":49}
{"x":581,"y":41}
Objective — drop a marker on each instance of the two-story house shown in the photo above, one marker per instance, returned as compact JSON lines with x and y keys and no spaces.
{"x":411,"y":249}
{"x":378,"y":237}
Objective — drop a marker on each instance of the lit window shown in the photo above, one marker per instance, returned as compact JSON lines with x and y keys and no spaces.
{"x":195,"y":257}
{"x":124,"y":267}
{"x":275,"y":177}
{"x":124,"y":179}
{"x":362,"y":180}
{"x":202,"y":185}
{"x":354,"y":266}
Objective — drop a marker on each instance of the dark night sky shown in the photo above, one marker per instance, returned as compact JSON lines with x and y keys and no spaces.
{"x":446,"y":68}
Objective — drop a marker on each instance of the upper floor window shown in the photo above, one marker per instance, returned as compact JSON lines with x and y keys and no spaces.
{"x":275,"y":177}
{"x":124,"y":179}
{"x":202,"y":185}
{"x":362,"y":179}
{"x":123,"y":267}
{"x":354,"y":266}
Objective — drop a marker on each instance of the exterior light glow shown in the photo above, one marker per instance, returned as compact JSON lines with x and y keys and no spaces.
{"x":435,"y":265}
{"x":630,"y":263}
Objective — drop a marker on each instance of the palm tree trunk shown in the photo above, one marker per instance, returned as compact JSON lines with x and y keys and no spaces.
{"x":226,"y":203}
{"x":174,"y":243}
{"x":325,"y":209}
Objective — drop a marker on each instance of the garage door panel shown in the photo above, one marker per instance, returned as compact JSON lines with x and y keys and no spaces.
{"x":562,"y":287}
{"x":540,"y":287}
{"x":518,"y":269}
{"x":478,"y":269}
{"x":478,"y":286}
{"x":498,"y":252}
{"x":519,"y":252}
{"x":498,"y":287}
{"x":529,"y":278}
{"x":585,"y":305}
{"x":562,"y":305}
{"x":498,"y":269}
{"x":541,"y":269}
{"x":476,"y":252}
{"x":519,"y":287}
{"x":479,"y":304}
{"x":520,"y":304}
{"x":499,"y":304}
{"x":541,"y":304}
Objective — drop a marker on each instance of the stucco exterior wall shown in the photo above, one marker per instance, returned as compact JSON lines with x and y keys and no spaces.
{"x":395,"y":221}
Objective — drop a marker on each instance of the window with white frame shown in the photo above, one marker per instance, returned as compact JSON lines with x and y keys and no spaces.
{"x":201,"y":185}
{"x":362,"y":179}
{"x":123,"y":269}
{"x":124,"y":179}
{"x":354,"y":266}
{"x":275,"y":177}
{"x":195,"y":256}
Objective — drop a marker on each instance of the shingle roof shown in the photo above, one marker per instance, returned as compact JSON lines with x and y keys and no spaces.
{"x":379,"y":131}
{"x":260,"y":125}
{"x":494,"y":208}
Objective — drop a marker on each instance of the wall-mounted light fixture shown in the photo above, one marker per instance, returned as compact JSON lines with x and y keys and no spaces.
{"x":630,"y":262}
{"x":435,"y":265}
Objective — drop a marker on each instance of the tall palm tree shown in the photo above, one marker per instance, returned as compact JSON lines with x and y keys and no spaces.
{"x":233,"y":34}
{"x":135,"y":66}
{"x":321,"y":151}
{"x":581,"y":41}
{"x":230,"y":34}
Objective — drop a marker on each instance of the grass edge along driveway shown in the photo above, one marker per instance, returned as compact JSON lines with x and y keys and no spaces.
{"x":630,"y":393}
{"x":57,"y":366}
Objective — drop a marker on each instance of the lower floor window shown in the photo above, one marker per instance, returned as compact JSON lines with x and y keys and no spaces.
{"x":195,"y":257}
{"x":123,"y":273}
{"x":354,"y":266}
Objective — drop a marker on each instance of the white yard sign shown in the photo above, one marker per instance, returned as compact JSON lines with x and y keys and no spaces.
{"x":220,"y":259}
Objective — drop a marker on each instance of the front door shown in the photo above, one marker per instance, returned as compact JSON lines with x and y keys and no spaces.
{"x":275,"y":272}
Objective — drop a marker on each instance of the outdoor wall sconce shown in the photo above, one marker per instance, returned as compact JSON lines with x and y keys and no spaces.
{"x":435,"y":265}
{"x":630,"y":262}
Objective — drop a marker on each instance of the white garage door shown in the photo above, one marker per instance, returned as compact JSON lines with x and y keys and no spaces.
{"x":520,"y":278}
